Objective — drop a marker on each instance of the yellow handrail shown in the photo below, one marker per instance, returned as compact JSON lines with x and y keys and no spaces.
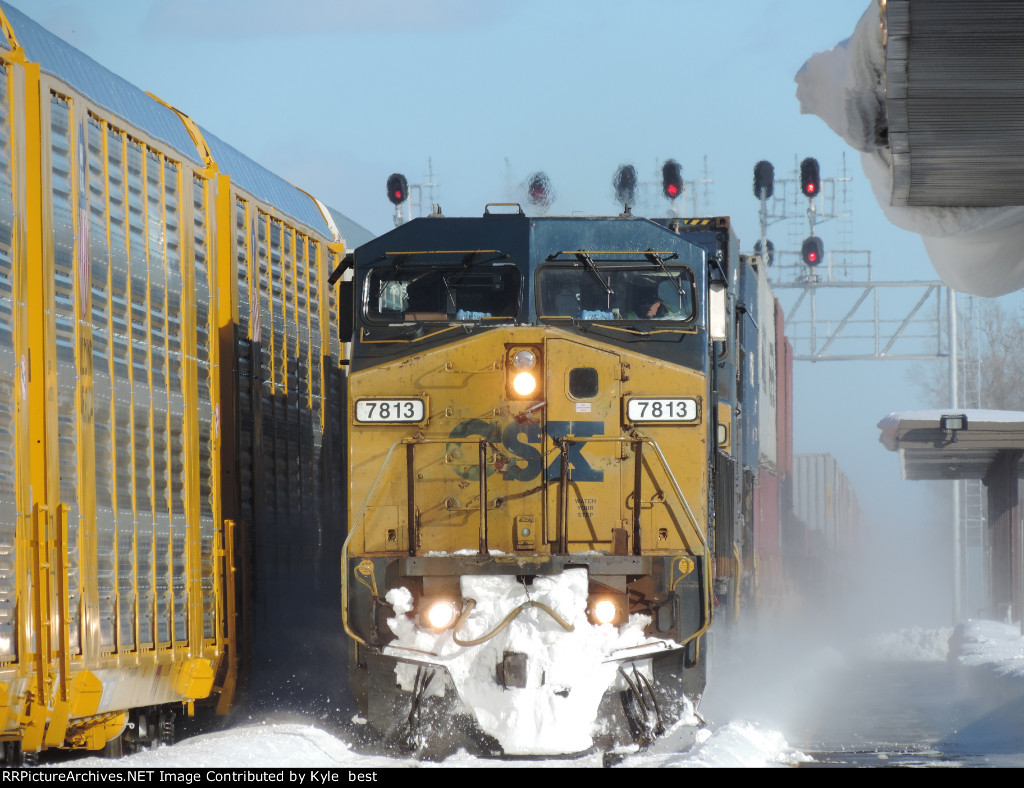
{"x":359,"y":520}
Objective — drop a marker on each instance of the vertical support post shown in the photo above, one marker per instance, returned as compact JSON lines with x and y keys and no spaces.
{"x":563,"y":515}
{"x":1004,"y":532}
{"x":41,"y":568}
{"x":483,"y":498}
{"x":227,"y":625}
{"x":410,"y":475}
{"x":60,"y":556}
{"x":954,"y":403}
{"x":637,"y":482}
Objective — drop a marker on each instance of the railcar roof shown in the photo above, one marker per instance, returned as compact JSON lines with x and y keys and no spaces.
{"x":129,"y":103}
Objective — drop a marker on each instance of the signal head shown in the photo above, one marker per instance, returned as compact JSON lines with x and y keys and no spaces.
{"x":813,"y":251}
{"x":538,"y":191}
{"x":672,"y":179}
{"x":769,"y":256}
{"x":398,"y":188}
{"x":810,"y":177}
{"x":624,"y":184}
{"x":764,"y":180}
{"x":538,"y":188}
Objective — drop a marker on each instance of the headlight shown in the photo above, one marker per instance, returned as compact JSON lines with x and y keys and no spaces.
{"x":605,"y":612}
{"x":441,"y":615}
{"x":524,"y":359}
{"x":524,"y":372}
{"x":524,"y":384}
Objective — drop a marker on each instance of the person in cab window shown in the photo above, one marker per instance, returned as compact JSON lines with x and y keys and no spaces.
{"x":649,"y":305}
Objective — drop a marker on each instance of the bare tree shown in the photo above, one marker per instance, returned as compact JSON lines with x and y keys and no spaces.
{"x":1000,"y":367}
{"x":1002,"y":362}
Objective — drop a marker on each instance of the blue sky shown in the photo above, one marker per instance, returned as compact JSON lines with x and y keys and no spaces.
{"x":334,"y":95}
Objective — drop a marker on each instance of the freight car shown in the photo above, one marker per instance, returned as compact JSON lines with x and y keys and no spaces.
{"x":168,"y":356}
{"x":753,"y":474}
{"x":541,"y":414}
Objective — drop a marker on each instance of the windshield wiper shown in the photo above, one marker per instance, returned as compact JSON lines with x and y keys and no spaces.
{"x":656,"y":258}
{"x":591,"y":266}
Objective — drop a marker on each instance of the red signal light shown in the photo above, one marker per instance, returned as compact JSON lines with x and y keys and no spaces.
{"x":539,"y":191}
{"x":672,"y":179}
{"x":398,"y":188}
{"x":810,"y":177}
{"x":812,"y":251}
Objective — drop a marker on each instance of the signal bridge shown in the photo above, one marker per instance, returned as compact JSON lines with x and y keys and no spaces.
{"x":864,"y":321}
{"x":834,"y":310}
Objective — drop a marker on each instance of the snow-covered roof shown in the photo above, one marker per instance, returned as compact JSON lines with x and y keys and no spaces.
{"x":977,"y":250}
{"x":928,"y":451}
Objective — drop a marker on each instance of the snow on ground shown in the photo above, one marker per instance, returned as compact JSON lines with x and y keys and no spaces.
{"x":300,"y":746}
{"x":977,"y":643}
{"x":916,"y":644}
{"x":735,"y":743}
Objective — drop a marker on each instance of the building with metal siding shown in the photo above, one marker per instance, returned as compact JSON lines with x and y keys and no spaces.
{"x":954,"y":101}
{"x":169,"y":397}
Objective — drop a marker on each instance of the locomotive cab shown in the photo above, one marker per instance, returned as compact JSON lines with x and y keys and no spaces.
{"x":531,"y":421}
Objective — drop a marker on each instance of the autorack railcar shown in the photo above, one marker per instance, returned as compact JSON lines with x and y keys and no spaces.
{"x":164,"y":321}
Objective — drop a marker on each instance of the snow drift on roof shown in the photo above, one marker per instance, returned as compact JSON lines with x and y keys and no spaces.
{"x":976,"y":250}
{"x":890,"y":425}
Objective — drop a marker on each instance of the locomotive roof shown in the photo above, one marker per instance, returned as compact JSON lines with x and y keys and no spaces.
{"x":519,"y":235}
{"x":126,"y":101}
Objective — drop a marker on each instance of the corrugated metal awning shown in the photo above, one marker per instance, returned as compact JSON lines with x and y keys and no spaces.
{"x":954,"y":78}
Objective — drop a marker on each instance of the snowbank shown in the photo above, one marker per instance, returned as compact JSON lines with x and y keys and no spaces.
{"x":736,"y":745}
{"x":290,"y":745}
{"x":915,"y":644}
{"x":1000,"y":646}
{"x":976,"y":250}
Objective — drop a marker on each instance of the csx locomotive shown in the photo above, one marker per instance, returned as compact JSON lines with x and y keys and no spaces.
{"x":540,"y":416}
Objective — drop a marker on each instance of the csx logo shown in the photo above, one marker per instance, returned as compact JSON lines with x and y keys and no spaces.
{"x":521,"y":442}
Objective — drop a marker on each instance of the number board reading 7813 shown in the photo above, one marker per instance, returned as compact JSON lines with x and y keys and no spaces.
{"x":390,"y":411}
{"x":662,"y":409}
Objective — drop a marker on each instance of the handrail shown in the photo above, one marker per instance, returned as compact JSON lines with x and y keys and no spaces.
{"x":360,"y":519}
{"x":344,"y":547}
{"x":636,"y":440}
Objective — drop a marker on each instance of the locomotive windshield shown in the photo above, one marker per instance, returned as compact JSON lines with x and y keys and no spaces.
{"x":419,"y":294}
{"x":606,"y":292}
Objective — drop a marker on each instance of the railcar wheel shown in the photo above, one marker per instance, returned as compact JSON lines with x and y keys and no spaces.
{"x":12,"y":754}
{"x":166,"y":727}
